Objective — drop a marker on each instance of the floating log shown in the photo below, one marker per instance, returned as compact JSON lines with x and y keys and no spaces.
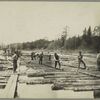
{"x":88,"y":81}
{"x":3,"y":81}
{"x":57,"y":74}
{"x":38,"y":74}
{"x":2,"y":78}
{"x":44,"y":81}
{"x":87,"y":88}
{"x":76,"y":87}
{"x":64,"y":76}
{"x":81,"y":82}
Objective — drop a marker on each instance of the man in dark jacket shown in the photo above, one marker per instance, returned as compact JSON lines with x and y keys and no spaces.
{"x":57,"y":61}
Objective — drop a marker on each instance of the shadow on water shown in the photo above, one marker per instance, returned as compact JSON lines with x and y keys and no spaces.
{"x":96,"y":93}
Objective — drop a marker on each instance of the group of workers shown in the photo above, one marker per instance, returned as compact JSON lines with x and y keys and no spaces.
{"x":56,"y":60}
{"x":35,"y":56}
{"x":80,"y":60}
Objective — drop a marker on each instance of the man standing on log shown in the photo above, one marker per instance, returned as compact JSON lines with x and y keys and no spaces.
{"x":80,"y":60}
{"x":15,"y":58}
{"x":57,"y":61}
{"x":98,"y":61}
{"x":32,"y":55}
{"x":5,"y":54}
{"x":41,"y":58}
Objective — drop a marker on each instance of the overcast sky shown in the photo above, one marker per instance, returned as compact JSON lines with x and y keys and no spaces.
{"x":29,"y":21}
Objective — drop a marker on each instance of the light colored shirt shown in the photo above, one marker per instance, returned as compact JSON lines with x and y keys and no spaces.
{"x":14,"y":57}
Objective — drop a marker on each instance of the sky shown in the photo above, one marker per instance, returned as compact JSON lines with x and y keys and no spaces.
{"x":29,"y":21}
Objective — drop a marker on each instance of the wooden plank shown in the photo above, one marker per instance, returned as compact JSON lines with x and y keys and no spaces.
{"x":9,"y":91}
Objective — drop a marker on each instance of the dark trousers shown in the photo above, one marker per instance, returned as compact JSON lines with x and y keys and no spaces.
{"x":57,"y":62}
{"x":14,"y":65}
{"x":98,"y":65}
{"x":31,"y":57}
{"x":49,"y":58}
{"x":81,"y":61}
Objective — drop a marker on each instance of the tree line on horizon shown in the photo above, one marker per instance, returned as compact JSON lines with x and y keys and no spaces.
{"x":89,"y":40}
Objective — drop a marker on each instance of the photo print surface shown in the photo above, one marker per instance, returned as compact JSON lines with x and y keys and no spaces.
{"x":49,"y":49}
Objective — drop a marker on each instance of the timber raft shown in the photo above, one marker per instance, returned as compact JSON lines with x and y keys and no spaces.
{"x":66,"y":78}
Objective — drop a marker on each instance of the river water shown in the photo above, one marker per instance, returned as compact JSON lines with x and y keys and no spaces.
{"x":45,"y":91}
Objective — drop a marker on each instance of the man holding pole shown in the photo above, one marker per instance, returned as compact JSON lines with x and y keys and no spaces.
{"x":80,"y":60}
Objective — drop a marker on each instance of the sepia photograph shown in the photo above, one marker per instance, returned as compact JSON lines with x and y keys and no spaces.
{"x":49,"y":49}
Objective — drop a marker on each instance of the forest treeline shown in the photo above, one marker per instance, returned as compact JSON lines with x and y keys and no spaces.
{"x":89,"y":40}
